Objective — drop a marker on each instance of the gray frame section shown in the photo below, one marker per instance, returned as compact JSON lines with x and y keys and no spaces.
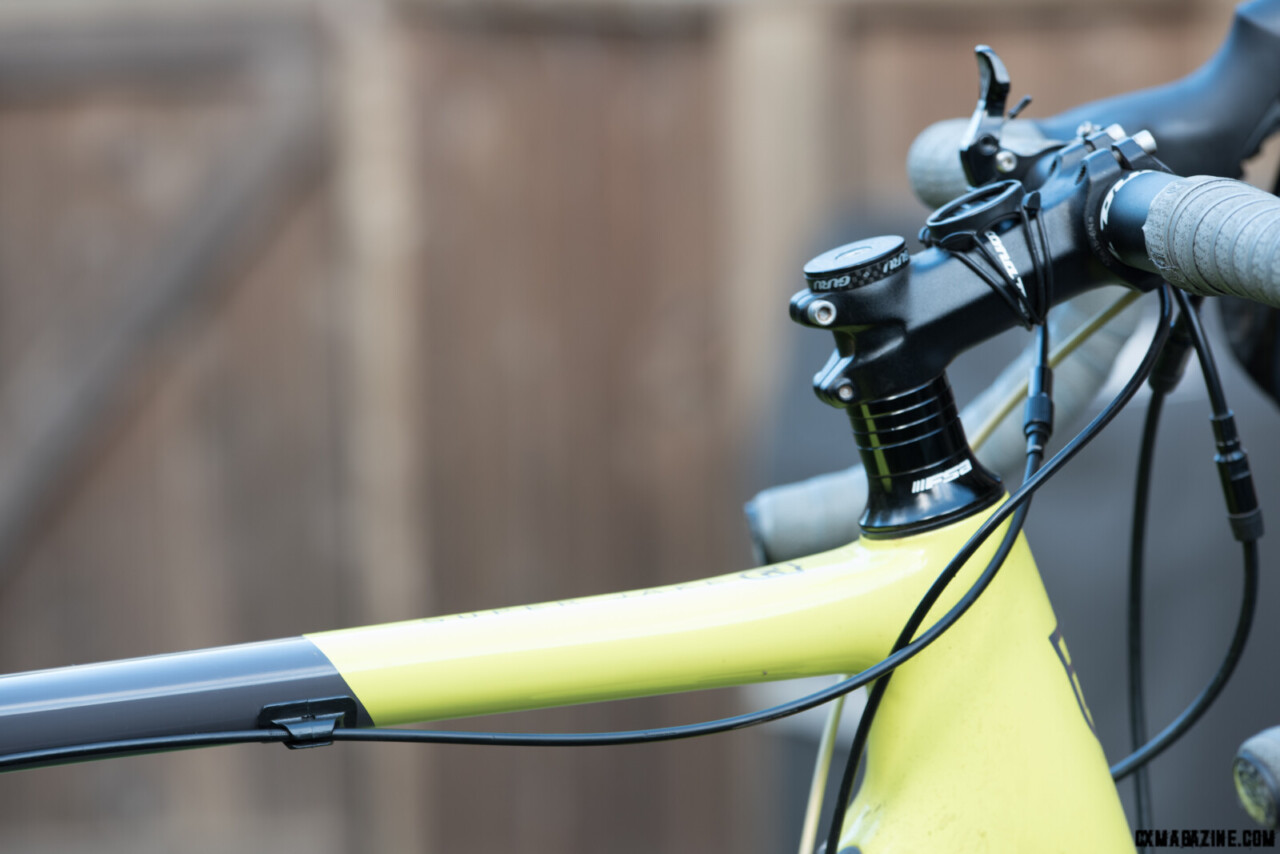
{"x":203,"y":691}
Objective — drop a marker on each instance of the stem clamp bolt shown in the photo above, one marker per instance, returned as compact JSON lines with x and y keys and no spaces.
{"x":821,"y":312}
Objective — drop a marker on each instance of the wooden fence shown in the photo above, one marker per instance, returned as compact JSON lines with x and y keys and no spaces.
{"x":320,"y":315}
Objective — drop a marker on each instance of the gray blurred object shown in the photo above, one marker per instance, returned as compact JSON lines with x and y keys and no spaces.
{"x":822,"y":512}
{"x":1257,"y":774}
{"x":933,"y":161}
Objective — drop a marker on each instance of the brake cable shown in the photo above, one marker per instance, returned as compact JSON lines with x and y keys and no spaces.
{"x":1165,"y":377}
{"x":1060,"y":352}
{"x":1246,"y":526}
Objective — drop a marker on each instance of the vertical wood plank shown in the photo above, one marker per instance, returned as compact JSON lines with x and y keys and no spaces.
{"x":776,"y":135}
{"x":382,"y":420}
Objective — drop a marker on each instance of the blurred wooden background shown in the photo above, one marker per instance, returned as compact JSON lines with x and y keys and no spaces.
{"x":322,"y":314}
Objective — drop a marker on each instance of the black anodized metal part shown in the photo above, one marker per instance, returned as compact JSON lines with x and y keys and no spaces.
{"x":974,"y":211}
{"x":896,"y":332}
{"x":1212,"y":119}
{"x":921,"y":472}
{"x":857,"y":264}
{"x":982,"y":138}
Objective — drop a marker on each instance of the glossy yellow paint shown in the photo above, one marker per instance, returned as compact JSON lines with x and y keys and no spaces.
{"x":982,"y":743}
{"x":994,"y":714}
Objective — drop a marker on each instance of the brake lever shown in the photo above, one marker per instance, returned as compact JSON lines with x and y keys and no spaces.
{"x":982,"y":154}
{"x":981,"y":145}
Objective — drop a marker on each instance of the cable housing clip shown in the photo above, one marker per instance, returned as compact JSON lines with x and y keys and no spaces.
{"x":310,"y":723}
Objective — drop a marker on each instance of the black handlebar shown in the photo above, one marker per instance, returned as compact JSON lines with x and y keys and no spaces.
{"x":999,"y":256}
{"x":1209,"y":236}
{"x":1207,"y":123}
{"x":1211,"y":120}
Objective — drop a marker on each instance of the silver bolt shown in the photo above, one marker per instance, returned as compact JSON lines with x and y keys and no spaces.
{"x":845,"y":392}
{"x":1115,"y":131}
{"x":1086,"y":129}
{"x":1006,"y":161}
{"x":1146,"y":140}
{"x":822,"y":312}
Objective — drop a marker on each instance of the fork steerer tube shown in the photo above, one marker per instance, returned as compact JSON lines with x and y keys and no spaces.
{"x":920,"y":470}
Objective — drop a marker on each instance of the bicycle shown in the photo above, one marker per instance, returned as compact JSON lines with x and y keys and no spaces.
{"x":783,"y":620}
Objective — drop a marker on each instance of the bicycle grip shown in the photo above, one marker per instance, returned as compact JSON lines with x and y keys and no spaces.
{"x":1216,"y":237}
{"x":933,"y":163}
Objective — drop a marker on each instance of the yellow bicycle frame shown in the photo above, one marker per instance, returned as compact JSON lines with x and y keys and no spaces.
{"x":983,"y":741}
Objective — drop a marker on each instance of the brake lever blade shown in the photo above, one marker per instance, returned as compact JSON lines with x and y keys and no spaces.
{"x":982,"y":138}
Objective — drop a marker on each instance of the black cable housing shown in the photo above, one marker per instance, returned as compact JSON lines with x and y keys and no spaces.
{"x":1246,"y":525}
{"x":1205,"y":698}
{"x":1165,"y":377}
{"x":1137,"y":545}
{"x":131,"y":746}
